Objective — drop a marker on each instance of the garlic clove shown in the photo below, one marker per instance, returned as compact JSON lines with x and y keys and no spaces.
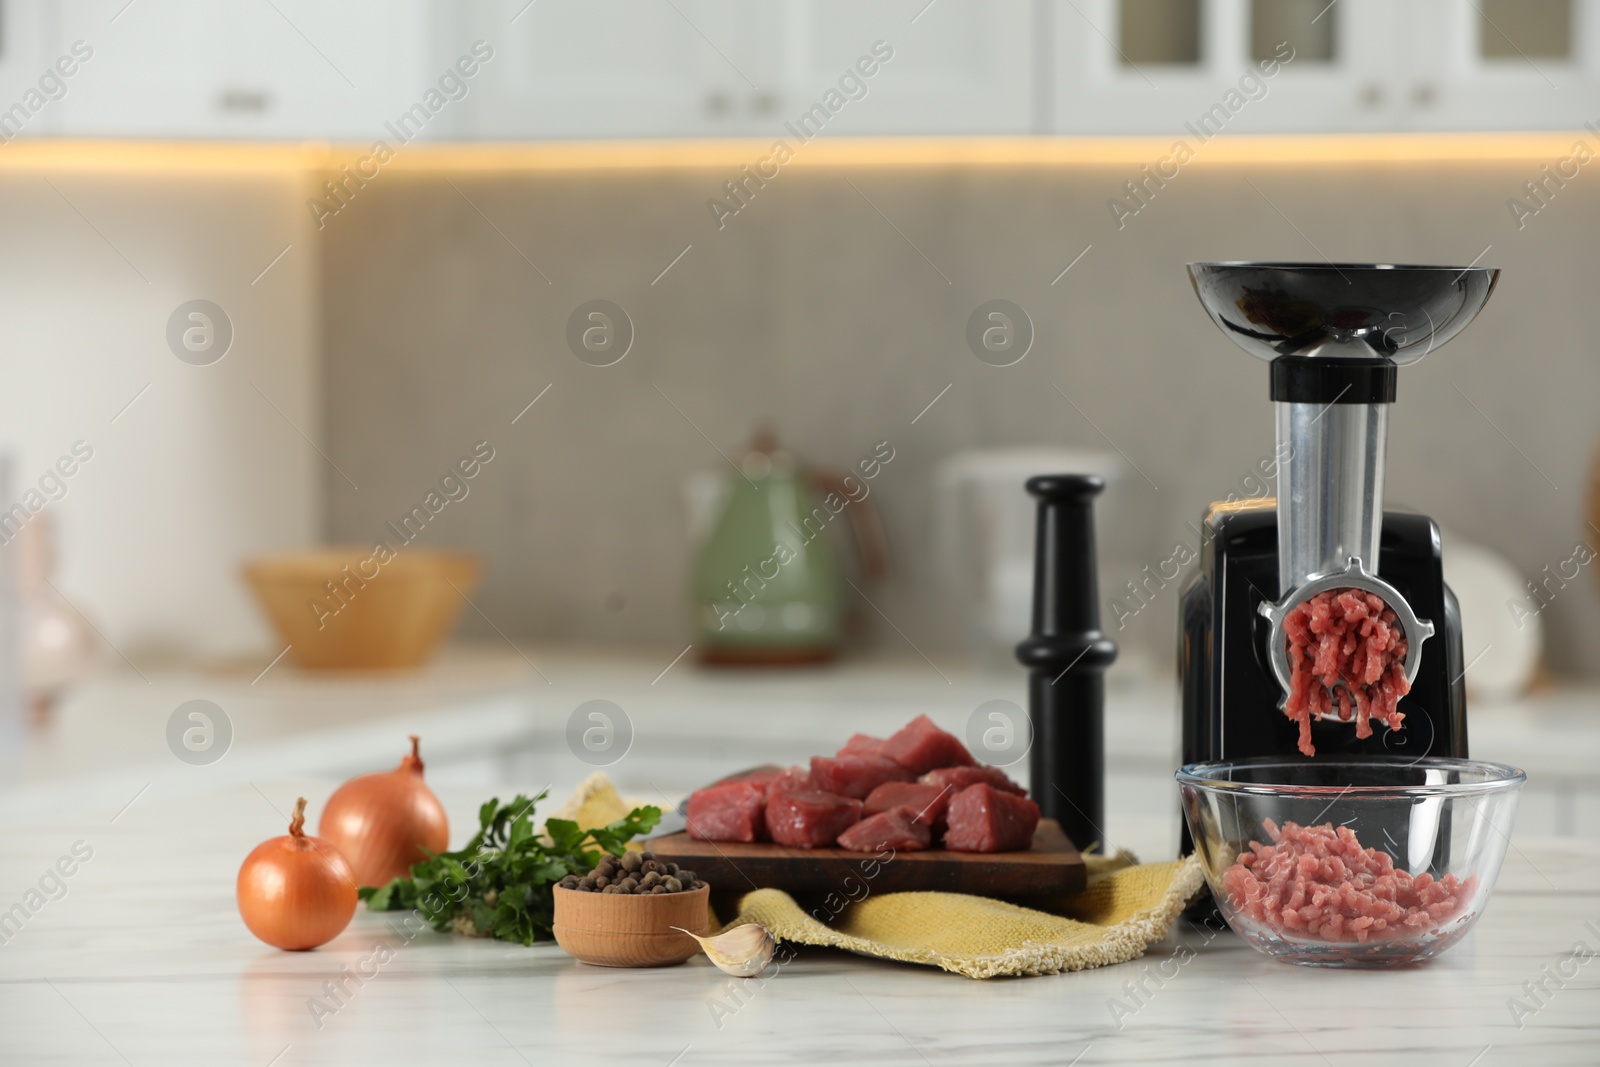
{"x":743,"y":951}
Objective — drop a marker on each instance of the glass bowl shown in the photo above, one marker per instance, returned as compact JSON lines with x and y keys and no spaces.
{"x":1375,"y":862}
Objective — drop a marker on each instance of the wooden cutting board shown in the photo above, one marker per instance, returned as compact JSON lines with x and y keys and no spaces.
{"x":1050,"y":867}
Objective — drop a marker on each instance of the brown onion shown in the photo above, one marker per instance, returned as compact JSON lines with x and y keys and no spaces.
{"x":296,"y":892}
{"x":383,"y":822}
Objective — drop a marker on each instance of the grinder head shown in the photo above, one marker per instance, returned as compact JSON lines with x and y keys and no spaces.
{"x":1354,"y":575}
{"x":1350,"y":310}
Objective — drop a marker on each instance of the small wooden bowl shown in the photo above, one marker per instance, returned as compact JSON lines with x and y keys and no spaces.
{"x":629,"y":930}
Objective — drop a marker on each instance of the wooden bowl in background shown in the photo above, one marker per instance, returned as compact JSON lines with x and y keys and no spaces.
{"x":391,"y":620}
{"x":630,"y":930}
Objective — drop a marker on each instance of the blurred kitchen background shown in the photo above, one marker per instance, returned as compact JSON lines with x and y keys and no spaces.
{"x":402,"y":212}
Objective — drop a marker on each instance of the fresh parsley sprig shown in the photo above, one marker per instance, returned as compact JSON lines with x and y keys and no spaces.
{"x":502,"y":882}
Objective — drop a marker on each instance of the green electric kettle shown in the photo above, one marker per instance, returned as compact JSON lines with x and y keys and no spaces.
{"x":770,"y":587}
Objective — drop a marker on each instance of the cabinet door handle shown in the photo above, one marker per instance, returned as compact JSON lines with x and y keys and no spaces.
{"x":244,"y":101}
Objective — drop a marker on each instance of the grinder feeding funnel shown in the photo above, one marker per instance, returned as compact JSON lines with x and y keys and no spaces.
{"x":1336,"y":335}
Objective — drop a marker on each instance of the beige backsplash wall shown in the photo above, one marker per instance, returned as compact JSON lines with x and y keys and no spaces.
{"x":810,"y":310}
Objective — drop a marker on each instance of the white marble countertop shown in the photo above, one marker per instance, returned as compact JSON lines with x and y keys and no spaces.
{"x":141,"y":958}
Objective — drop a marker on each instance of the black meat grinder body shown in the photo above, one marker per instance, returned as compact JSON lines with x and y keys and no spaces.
{"x":1232,"y":701}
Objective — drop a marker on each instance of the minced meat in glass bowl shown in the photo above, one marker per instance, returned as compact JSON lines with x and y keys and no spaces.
{"x":1374,"y":862}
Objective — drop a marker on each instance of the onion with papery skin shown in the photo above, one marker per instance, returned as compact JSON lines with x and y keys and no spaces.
{"x":296,"y":892}
{"x":383,"y":822}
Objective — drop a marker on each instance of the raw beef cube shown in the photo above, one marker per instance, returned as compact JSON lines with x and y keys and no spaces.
{"x":810,"y":819}
{"x":862,"y":745}
{"x":921,"y":746}
{"x":925,"y":803}
{"x":855,"y":776}
{"x":888,"y":829}
{"x":760,"y":776}
{"x":958,"y":778}
{"x":983,"y":819}
{"x":728,"y":811}
{"x":792,"y":780}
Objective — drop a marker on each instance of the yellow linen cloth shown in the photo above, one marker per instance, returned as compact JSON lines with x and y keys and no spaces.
{"x":1124,"y":909}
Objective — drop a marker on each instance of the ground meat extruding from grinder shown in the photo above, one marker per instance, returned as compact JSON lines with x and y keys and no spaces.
{"x":1318,"y":882}
{"x":1348,"y":636}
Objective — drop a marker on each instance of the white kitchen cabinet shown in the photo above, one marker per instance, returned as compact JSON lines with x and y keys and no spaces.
{"x":31,"y":85}
{"x":1483,"y":66}
{"x":624,"y":68}
{"x":277,"y":69}
{"x":591,"y":69}
{"x":719,"y":68}
{"x":1227,"y":81}
{"x":1384,"y":66}
{"x":956,"y":66}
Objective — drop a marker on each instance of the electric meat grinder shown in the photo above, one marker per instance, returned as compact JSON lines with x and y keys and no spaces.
{"x":1336,"y":336}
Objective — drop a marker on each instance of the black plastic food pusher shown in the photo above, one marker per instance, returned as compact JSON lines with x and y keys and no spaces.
{"x":1066,"y":656}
